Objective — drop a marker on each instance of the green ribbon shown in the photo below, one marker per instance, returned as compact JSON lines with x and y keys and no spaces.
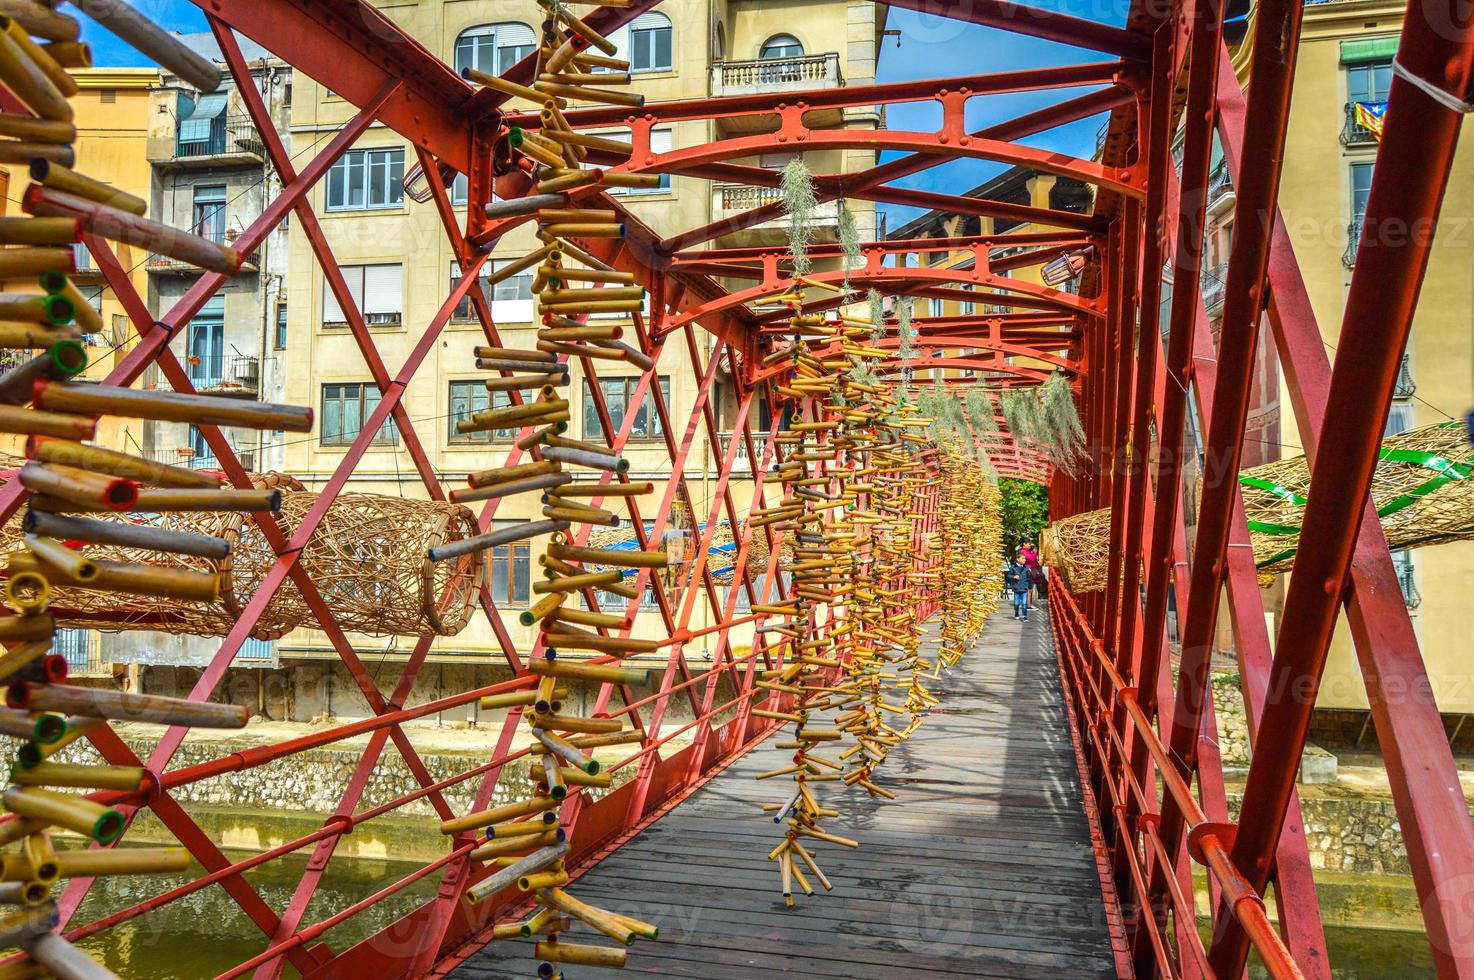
{"x":1450,"y":471}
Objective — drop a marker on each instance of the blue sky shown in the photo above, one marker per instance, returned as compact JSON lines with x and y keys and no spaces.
{"x":931,"y":47}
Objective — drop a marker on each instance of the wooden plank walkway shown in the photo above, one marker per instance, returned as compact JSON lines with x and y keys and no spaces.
{"x":982,"y":868}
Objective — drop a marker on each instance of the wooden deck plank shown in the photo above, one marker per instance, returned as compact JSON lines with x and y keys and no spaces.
{"x":982,"y":868}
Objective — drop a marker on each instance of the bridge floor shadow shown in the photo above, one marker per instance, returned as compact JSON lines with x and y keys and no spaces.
{"x":983,"y":866}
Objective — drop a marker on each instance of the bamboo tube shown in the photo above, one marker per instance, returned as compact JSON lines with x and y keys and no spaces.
{"x":124,"y":706}
{"x":539,"y":436}
{"x":583,"y":726}
{"x":591,"y":331}
{"x":118,"y":464}
{"x":64,"y":359}
{"x":542,"y":879}
{"x":603,"y":673}
{"x":567,"y":180}
{"x":588,"y":229}
{"x":610,"y":556}
{"x":531,"y":827}
{"x":33,"y":336}
{"x":599,"y":919}
{"x":571,"y":638}
{"x":546,"y":382}
{"x":72,"y":812}
{"x":28,"y":80}
{"x":589,"y":59}
{"x":565,"y":274}
{"x":26,"y":590}
{"x":556,"y":952}
{"x":41,"y":20}
{"x":126,"y":534}
{"x":510,"y":488}
{"x":518,"y":845}
{"x":521,"y":532}
{"x":43,"y":60}
{"x":79,"y":486}
{"x":512,"y":699}
{"x":564,"y":614}
{"x":504,"y":86}
{"x":141,"y":34}
{"x":586,"y":32}
{"x":253,"y":501}
{"x":17,"y":724}
{"x":68,"y":54}
{"x":608,"y":96}
{"x":647,"y":181}
{"x":581,"y":515}
{"x":544,"y":607}
{"x":542,"y":362}
{"x":486,"y":818}
{"x":552,"y":778}
{"x":555,"y":297}
{"x":523,"y":363}
{"x":123,"y":226}
{"x":599,"y":461}
{"x":88,"y":319}
{"x":566,"y":752}
{"x":170,"y":406}
{"x":590,"y":141}
{"x":625,"y":352}
{"x":50,"y":949}
{"x":23,"y":655}
{"x":608,"y":490}
{"x":575,"y":583}
{"x":541,"y":154}
{"x":507,"y":474}
{"x":518,"y":206}
{"x":133,"y":578}
{"x":63,"y":179}
{"x":33,"y":753}
{"x":612,"y":738}
{"x":94,"y":862}
{"x":125,"y":778}
{"x":537,"y":861}
{"x":20,"y":263}
{"x":15,"y":629}
{"x":498,"y":418}
{"x":30,"y":893}
{"x":38,"y":231}
{"x":52,"y":554}
{"x":571,"y":776}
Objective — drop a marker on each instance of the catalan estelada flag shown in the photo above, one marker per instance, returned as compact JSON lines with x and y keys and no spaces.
{"x":1369,"y":117}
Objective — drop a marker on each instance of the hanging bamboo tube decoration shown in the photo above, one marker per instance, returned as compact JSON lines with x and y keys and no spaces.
{"x":168,"y":406}
{"x":125,"y":706}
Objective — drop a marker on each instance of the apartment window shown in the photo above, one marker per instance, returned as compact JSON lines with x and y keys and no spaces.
{"x":201,"y":455}
{"x":281,"y":326}
{"x":648,"y":43}
{"x":661,"y":141}
{"x":786,"y":51}
{"x":377,"y":291}
{"x":1370,"y":81}
{"x":120,"y":330}
{"x":493,"y":48}
{"x":618,"y":394}
{"x":510,"y":299}
{"x":345,"y":408}
{"x":209,"y":212}
{"x":781,"y":46}
{"x":206,"y":344}
{"x":469,"y":397}
{"x":460,"y":189}
{"x":511,"y":566}
{"x":969,"y":307}
{"x":1361,"y":189}
{"x":934,"y":306}
{"x":1399,"y":419}
{"x":366,"y":179}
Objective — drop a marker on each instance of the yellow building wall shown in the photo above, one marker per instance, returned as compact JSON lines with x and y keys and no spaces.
{"x":1315,"y":197}
{"x":112,"y":132}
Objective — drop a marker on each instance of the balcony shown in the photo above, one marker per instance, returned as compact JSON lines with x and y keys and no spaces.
{"x":741,"y":463}
{"x":1220,"y":187}
{"x":191,"y":459}
{"x":1354,"y":133}
{"x":232,"y":374}
{"x":730,"y":200}
{"x":772,"y":76}
{"x":80,"y":650}
{"x":165,"y":266}
{"x":1213,"y":280}
{"x":233,"y":141}
{"x":1406,"y":387}
{"x":1353,"y":242}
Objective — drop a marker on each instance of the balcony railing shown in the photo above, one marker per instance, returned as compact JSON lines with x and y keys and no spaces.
{"x":228,"y":135}
{"x":741,"y":463}
{"x":1214,"y":278}
{"x":1407,"y":386}
{"x":730,"y":199}
{"x":238,"y":374}
{"x":1406,"y":580}
{"x":1219,"y":183}
{"x":192,"y":460}
{"x":803,"y":72}
{"x":1353,"y":242}
{"x":1354,"y":133}
{"x":79,"y":651}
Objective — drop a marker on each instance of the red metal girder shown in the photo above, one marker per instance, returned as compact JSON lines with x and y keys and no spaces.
{"x":1038,"y":22}
{"x":1421,"y":135}
{"x":849,"y":96}
{"x":898,"y":246}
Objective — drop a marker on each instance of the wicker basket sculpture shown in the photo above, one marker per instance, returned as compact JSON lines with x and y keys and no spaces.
{"x":367,"y":559}
{"x":1423,"y":487}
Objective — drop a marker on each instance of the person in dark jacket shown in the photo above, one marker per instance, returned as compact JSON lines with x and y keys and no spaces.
{"x":1018,"y":583}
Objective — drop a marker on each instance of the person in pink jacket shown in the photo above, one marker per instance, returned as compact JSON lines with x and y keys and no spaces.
{"x":1036,"y":570}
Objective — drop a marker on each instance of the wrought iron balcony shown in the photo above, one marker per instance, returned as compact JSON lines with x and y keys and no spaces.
{"x":1354,"y":133}
{"x":230,"y":136}
{"x":1353,"y":242}
{"x":226,"y":374}
{"x":1213,"y":280}
{"x":807,"y":71}
{"x":1406,"y":385}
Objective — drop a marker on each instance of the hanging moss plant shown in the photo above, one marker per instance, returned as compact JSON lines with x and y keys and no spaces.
{"x":979,"y":410}
{"x":877,"y":315}
{"x":849,"y":243}
{"x":1061,"y":421}
{"x":800,"y":203}
{"x":904,"y":346}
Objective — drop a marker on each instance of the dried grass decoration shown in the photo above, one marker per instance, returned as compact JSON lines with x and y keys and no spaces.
{"x":800,"y":203}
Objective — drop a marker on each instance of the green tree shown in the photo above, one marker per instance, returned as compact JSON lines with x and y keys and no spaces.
{"x":1025,"y":512}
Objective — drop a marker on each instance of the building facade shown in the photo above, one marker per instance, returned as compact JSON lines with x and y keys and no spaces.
{"x":399,"y":266}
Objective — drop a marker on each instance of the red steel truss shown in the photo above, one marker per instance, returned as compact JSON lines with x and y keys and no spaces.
{"x":1141,"y":721}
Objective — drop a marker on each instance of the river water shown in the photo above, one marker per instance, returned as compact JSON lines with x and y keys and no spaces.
{"x":205,"y":933}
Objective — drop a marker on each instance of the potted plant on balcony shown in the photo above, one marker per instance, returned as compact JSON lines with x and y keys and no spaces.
{"x":193,"y":359}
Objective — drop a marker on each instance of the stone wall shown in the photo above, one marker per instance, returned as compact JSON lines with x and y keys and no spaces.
{"x":1360,"y":836}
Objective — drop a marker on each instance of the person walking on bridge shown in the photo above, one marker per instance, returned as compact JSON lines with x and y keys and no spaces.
{"x":1018,"y":582}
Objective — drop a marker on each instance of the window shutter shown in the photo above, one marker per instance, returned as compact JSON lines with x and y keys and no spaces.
{"x":661,"y":141}
{"x":1362,"y":50}
{"x":331,"y":311}
{"x":515,"y":35}
{"x":383,"y":289}
{"x":650,"y":21}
